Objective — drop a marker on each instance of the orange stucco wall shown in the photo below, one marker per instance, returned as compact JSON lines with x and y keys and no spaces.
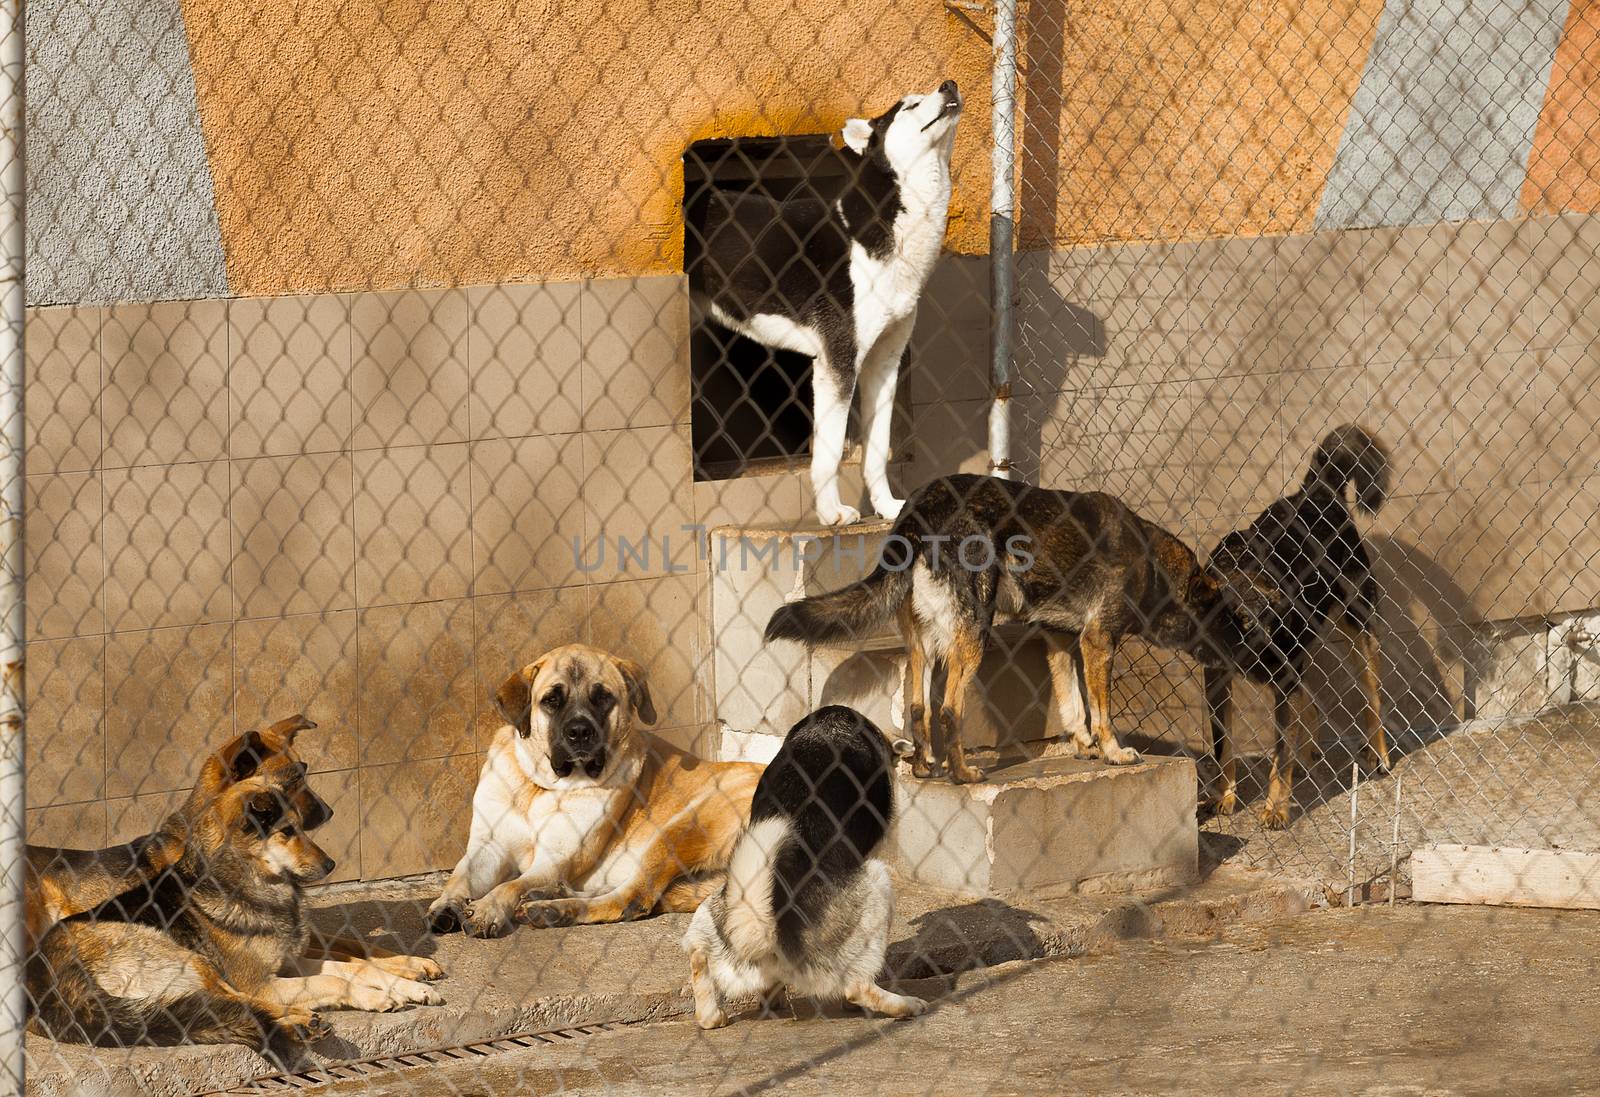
{"x":459,"y":141}
{"x":1184,"y":121}
{"x":1564,"y":163}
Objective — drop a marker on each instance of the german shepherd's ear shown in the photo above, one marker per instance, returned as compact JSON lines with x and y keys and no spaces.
{"x":238,"y":759}
{"x":638,"y":691}
{"x":280,"y":736}
{"x":514,"y":698}
{"x":262,"y":810}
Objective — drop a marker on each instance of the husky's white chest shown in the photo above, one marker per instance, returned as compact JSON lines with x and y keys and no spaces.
{"x":887,"y":287}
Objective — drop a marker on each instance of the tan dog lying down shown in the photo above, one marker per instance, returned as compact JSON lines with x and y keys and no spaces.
{"x":580,"y":818}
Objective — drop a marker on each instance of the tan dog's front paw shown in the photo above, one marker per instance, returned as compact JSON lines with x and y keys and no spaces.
{"x":1121,"y":756}
{"x":486,"y":918}
{"x":446,"y":915}
{"x":548,"y":913}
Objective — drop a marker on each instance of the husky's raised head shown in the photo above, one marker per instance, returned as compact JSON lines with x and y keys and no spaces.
{"x":835,"y":272}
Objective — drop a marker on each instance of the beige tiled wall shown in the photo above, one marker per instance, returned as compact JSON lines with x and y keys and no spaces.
{"x":360,"y":506}
{"x":363,"y":506}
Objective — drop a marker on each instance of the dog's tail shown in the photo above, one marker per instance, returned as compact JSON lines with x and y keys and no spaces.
{"x":845,"y":614}
{"x":1349,"y":455}
{"x":749,"y":922}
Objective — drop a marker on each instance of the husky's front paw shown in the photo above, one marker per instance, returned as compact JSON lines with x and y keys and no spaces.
{"x":839,"y":515}
{"x":888,"y":508}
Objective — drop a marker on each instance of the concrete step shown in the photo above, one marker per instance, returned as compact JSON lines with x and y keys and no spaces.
{"x":1051,"y":825}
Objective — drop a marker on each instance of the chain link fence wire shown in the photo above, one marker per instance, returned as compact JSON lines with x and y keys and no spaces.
{"x":445,"y":429}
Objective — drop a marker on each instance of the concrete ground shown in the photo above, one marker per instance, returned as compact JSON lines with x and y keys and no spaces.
{"x":1522,"y":782}
{"x":1406,"y":1002}
{"x":542,"y":978}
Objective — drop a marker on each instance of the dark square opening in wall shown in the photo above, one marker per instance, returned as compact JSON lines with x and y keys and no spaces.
{"x":751,"y":406}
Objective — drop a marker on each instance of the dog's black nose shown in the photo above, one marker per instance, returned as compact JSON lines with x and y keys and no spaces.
{"x":951,"y":93}
{"x":582,"y":735}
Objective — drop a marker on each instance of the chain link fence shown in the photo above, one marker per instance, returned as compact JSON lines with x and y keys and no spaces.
{"x":465,"y":441}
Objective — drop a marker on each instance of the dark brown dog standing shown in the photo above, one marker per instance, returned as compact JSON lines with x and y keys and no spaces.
{"x":1301,"y":564}
{"x":1081,"y":564}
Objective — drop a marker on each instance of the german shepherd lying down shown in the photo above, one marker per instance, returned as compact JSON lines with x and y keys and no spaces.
{"x":182,"y":935}
{"x":1299,"y":565}
{"x":1081,"y":564}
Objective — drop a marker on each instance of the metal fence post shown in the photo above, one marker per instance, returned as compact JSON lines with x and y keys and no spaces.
{"x":13,"y":993}
{"x":1002,"y":230}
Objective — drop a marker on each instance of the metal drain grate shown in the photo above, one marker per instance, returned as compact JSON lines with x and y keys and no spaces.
{"x":356,"y":1069}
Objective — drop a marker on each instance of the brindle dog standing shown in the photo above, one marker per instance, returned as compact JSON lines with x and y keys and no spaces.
{"x":1083,"y":565}
{"x":182,"y":936}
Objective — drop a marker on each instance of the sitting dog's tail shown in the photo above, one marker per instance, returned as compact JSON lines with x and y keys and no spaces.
{"x":1349,"y":455}
{"x":750,"y":924}
{"x":845,"y":614}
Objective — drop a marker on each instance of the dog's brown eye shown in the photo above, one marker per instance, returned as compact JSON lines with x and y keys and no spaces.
{"x":552,"y":701}
{"x":602,"y":698}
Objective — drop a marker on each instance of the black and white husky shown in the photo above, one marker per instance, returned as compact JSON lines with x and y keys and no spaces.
{"x":805,"y":904}
{"x":835,"y":272}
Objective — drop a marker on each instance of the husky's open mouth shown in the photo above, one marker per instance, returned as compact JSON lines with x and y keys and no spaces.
{"x":951,"y":106}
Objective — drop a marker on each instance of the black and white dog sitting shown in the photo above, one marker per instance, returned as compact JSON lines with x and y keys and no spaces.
{"x":835,"y":272}
{"x":805,"y":904}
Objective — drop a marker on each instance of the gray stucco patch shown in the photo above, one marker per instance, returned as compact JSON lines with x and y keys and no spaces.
{"x":1445,"y":113}
{"x":120,"y":205}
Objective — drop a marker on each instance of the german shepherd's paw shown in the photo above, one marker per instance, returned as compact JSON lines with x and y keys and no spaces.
{"x":410,"y":967}
{"x":1275,"y":816}
{"x":445,"y":916}
{"x":300,"y":1026}
{"x":390,"y":994}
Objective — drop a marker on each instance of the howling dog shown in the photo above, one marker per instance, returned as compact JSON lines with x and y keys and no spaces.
{"x":805,"y":904}
{"x":835,"y":273}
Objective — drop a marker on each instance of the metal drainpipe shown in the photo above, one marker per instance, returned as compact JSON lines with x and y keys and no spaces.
{"x":1002,"y":231}
{"x":13,"y":998}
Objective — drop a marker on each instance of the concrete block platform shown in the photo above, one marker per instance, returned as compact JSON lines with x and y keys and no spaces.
{"x":1051,"y":825}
